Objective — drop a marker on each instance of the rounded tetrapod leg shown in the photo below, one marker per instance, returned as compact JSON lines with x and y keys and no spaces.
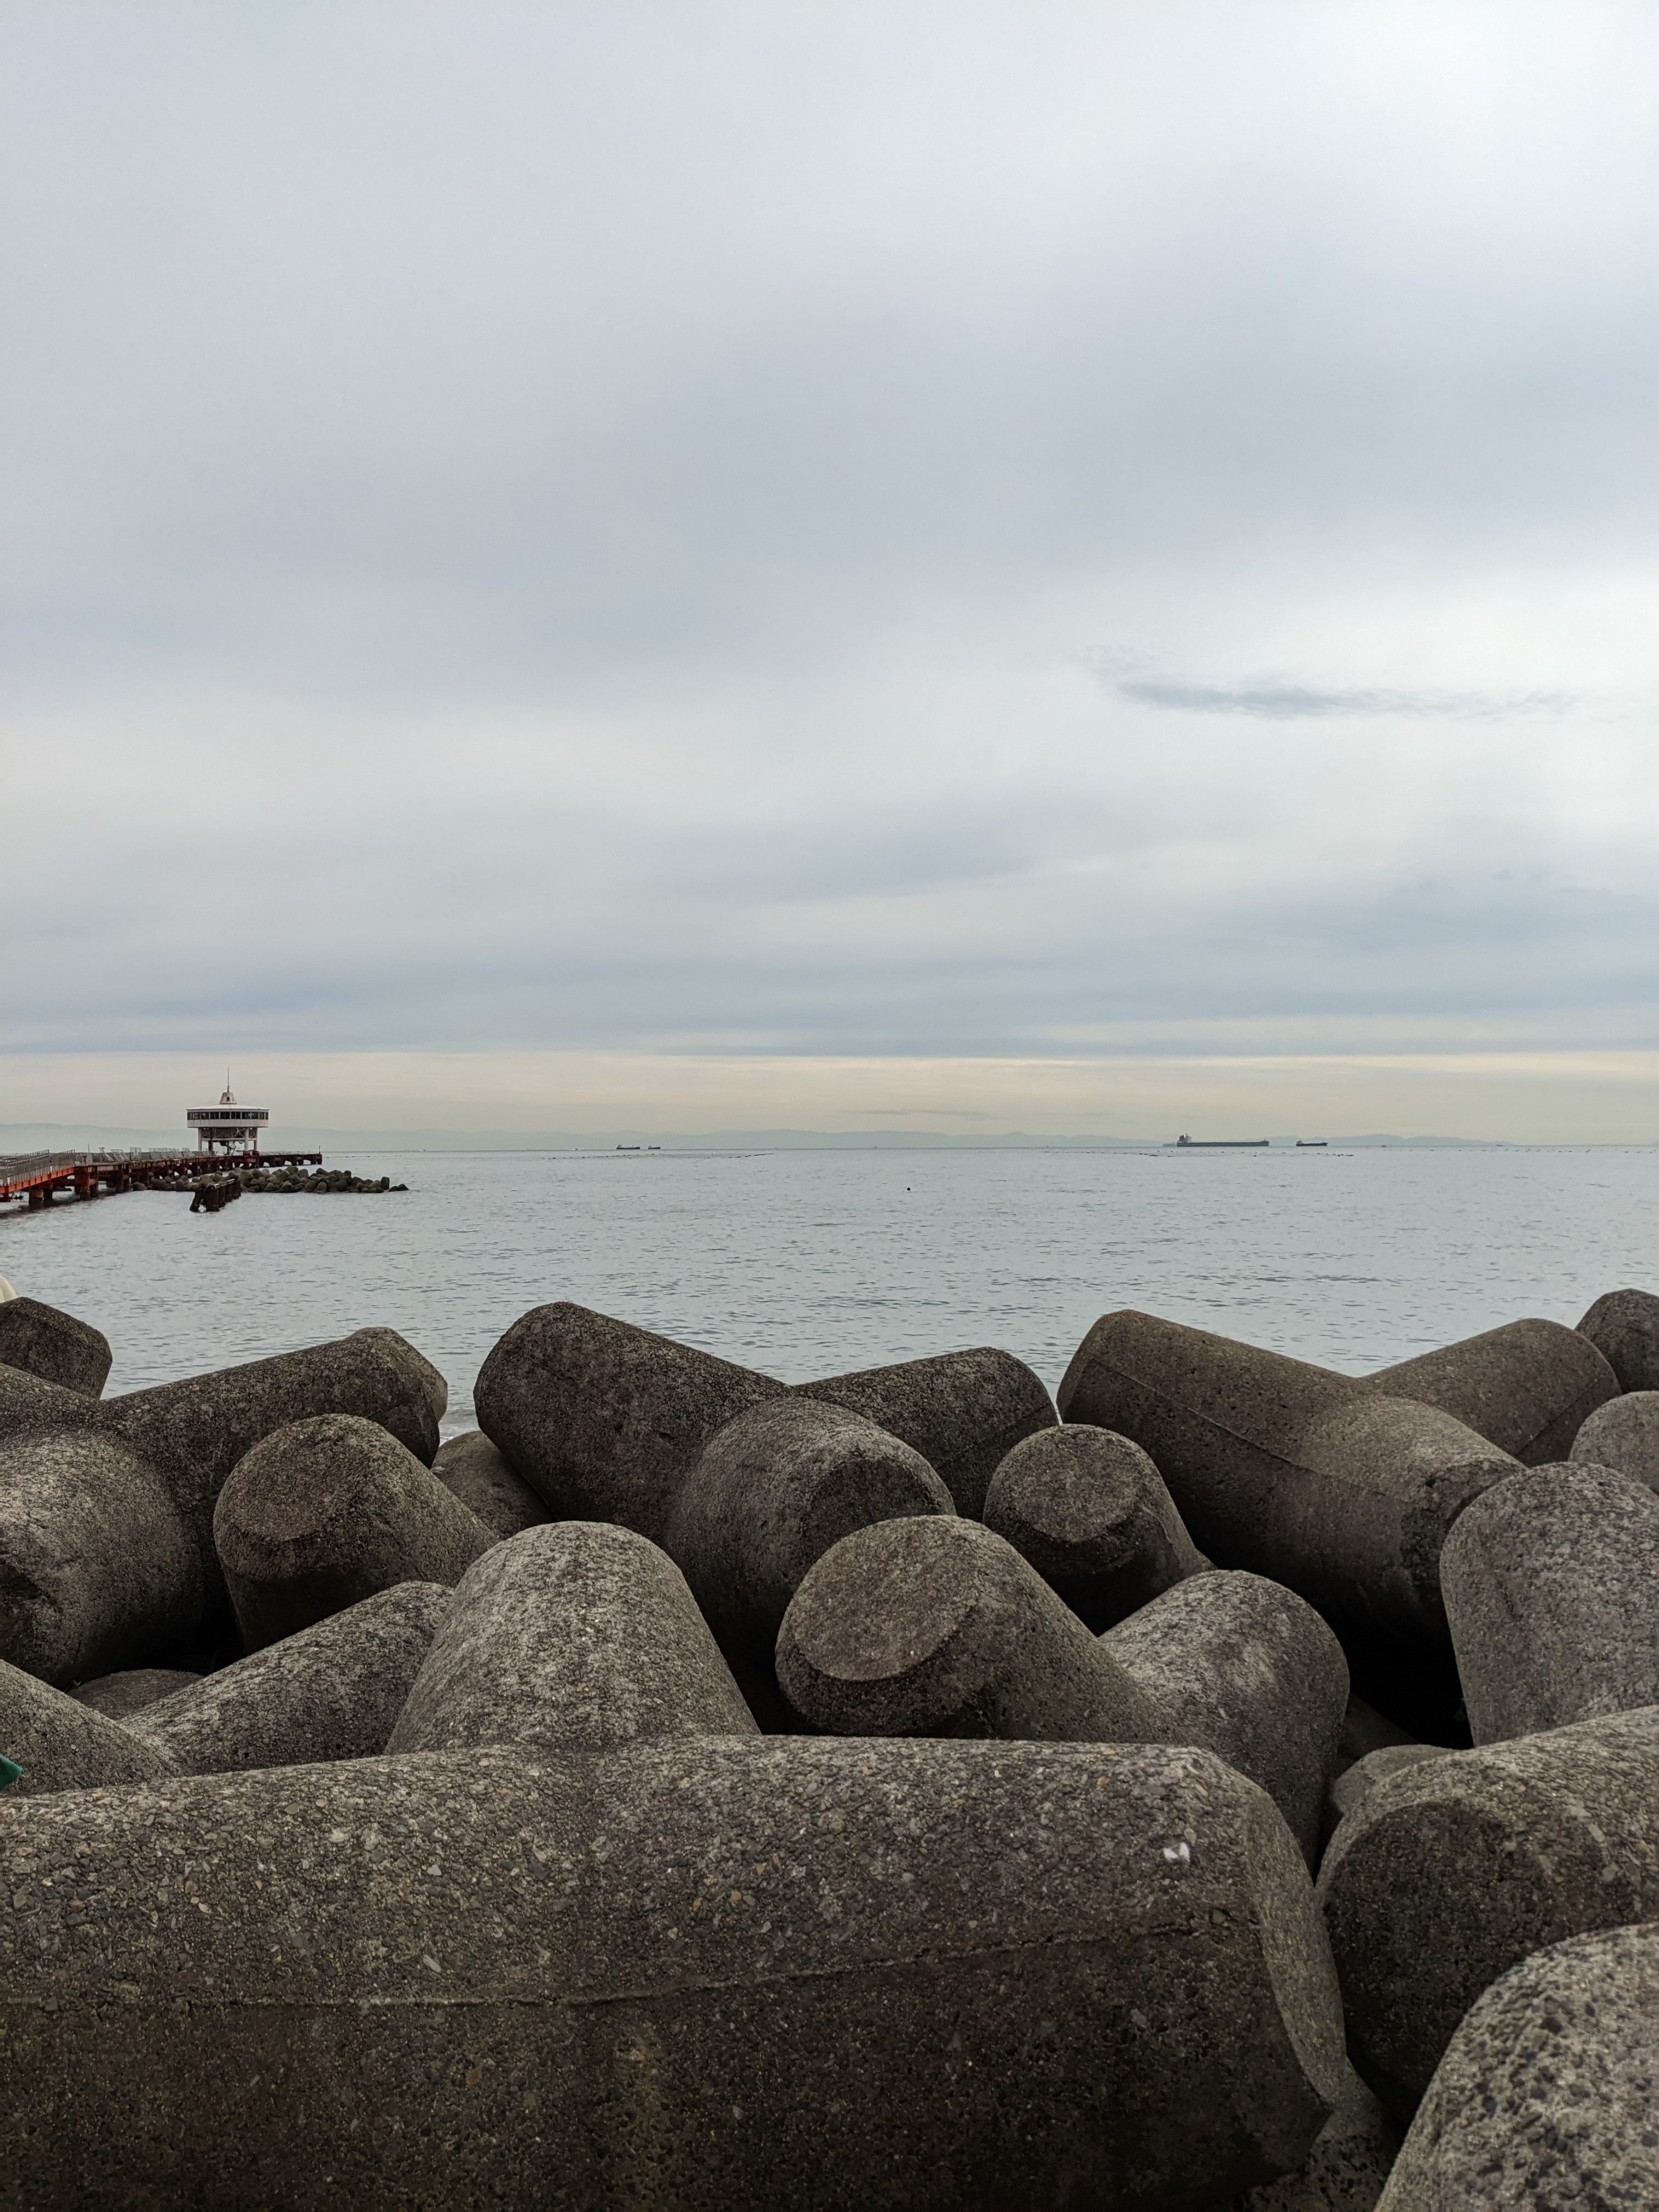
{"x":1624,"y":1435}
{"x":98,"y":1567}
{"x":930,"y":1627}
{"x":120,"y":1696}
{"x":580,"y":1635}
{"x":333,"y":1691}
{"x":1623,"y":1327}
{"x":54,"y":1346}
{"x":432,"y":1385}
{"x":1349,"y":1790}
{"x":1548,"y":2092}
{"x":1552,"y":1583}
{"x":963,"y":1411}
{"x":1094,"y":1516}
{"x":678,"y":1974}
{"x":28,"y":1403}
{"x":326,"y":1511}
{"x":1526,"y":1388}
{"x":1249,"y":1670}
{"x":471,"y":1467}
{"x":1448,"y":1875}
{"x":771,"y":1491}
{"x":605,"y":1420}
{"x":195,"y":1432}
{"x":63,"y":1745}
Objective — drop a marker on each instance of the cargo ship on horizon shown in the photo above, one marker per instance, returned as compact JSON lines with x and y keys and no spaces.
{"x":1218,"y":1144}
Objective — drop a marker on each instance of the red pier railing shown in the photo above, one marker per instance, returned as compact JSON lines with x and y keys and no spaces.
{"x":41,"y":1177}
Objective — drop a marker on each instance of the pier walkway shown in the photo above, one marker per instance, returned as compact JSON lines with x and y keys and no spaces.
{"x":40,"y":1177}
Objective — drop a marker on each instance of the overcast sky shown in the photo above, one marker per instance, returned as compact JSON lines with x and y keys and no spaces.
{"x":845,"y":530}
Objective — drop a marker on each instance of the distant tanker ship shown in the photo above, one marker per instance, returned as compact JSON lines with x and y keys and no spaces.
{"x":1218,"y":1144}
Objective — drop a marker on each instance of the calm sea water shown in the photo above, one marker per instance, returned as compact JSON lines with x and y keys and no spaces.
{"x":805,"y":1263}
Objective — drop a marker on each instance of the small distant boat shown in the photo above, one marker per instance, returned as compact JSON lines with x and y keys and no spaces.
{"x":653,"y":1148}
{"x":1217,"y":1143}
{"x":1311,"y":1144}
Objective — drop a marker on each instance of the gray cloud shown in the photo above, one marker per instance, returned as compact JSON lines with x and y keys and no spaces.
{"x":1285,"y":702}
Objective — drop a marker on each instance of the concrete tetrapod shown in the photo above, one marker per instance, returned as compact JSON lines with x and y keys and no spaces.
{"x":61,"y":1744}
{"x":963,"y":1411}
{"x":1249,"y":1670}
{"x":1095,"y":1518}
{"x":605,"y":1420}
{"x":98,"y":1567}
{"x":930,"y":1627}
{"x":1342,"y":1494}
{"x":1624,"y":1435}
{"x":581,"y":1635}
{"x":1623,"y":1327}
{"x":28,"y":1403}
{"x":333,"y":1691}
{"x":1451,"y":1872}
{"x":479,"y":1978}
{"x":120,"y":1695}
{"x":54,"y":1346}
{"x":471,"y":1467}
{"x":1552,"y":1583}
{"x":771,"y":1491}
{"x":1548,"y":2093}
{"x":195,"y":1432}
{"x":433,"y":1386}
{"x":1526,"y":1388}
{"x":326,"y":1511}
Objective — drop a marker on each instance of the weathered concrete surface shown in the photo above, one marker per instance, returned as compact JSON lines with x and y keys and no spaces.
{"x":605,"y":1420}
{"x":118,"y":1696}
{"x":334,"y":1691}
{"x":771,"y":1491}
{"x":1349,"y":1790}
{"x":1548,"y":2093}
{"x":930,"y":1627}
{"x":472,"y":1468}
{"x":1345,"y":2170}
{"x":1623,"y":1327}
{"x":195,"y":1432}
{"x":433,"y":1386}
{"x":98,"y":1569}
{"x":1095,"y":1517}
{"x":29,"y":1403}
{"x":1342,"y":1494}
{"x":1364,"y":1730}
{"x":963,"y":1411}
{"x":1526,"y":1388}
{"x":740,"y":1975}
{"x":54,"y":1346}
{"x":63,"y":1745}
{"x":1450,"y":1872}
{"x":1249,"y":1670}
{"x":1552,"y":1586}
{"x":1624,"y":1435}
{"x":581,"y":1635}
{"x":325,"y":1512}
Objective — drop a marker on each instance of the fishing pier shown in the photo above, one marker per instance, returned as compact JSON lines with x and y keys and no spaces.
{"x":40,"y":1178}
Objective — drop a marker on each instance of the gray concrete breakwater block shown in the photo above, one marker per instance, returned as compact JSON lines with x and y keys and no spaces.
{"x":98,"y":1568}
{"x":122,"y":1694}
{"x":434,"y":1387}
{"x":771,"y":1491}
{"x":1552,"y":1588}
{"x":1526,"y":1388}
{"x":54,"y":1346}
{"x":472,"y":1468}
{"x":1095,"y":1517}
{"x":1450,"y":1872}
{"x":1343,"y":1494}
{"x":1623,"y":1327}
{"x":741,"y":1975}
{"x":326,"y":1511}
{"x":61,"y":1744}
{"x":1248,"y":1670}
{"x":193,"y":1432}
{"x":26,"y":1402}
{"x":1624,"y":1435}
{"x":1548,"y":2093}
{"x":579,"y":1635}
{"x":605,"y":1420}
{"x":937,"y":1627}
{"x":333,"y":1691}
{"x":963,"y":1411}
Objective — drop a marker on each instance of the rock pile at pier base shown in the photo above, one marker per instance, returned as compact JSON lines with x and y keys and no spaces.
{"x":696,"y":1790}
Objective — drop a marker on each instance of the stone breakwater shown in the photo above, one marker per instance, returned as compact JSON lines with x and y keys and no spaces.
{"x":896,"y":1790}
{"x":284,"y":1181}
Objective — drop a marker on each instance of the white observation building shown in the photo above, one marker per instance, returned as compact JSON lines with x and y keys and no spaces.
{"x":227,"y":1127}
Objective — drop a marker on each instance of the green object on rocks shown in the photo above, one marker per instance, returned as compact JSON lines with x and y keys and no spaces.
{"x":10,"y":1771}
